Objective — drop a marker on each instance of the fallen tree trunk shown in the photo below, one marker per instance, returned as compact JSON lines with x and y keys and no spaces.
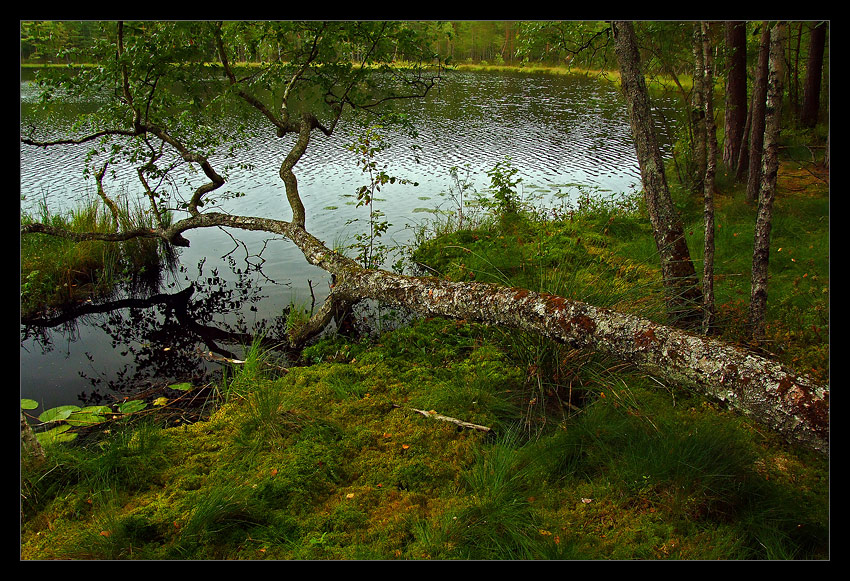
{"x":793,"y":405}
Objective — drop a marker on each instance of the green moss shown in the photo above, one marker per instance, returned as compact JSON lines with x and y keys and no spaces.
{"x":585,"y":460}
{"x":337,"y":465}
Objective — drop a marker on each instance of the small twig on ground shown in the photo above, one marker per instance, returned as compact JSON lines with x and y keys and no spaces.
{"x":435,"y":416}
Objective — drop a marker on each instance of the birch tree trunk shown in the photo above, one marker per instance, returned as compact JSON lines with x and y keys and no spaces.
{"x":698,"y":121}
{"x":767,"y":190}
{"x":794,"y":406}
{"x":680,"y":280}
{"x":708,"y":182}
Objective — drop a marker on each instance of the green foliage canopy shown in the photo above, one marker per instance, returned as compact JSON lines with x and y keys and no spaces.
{"x":162,"y":86}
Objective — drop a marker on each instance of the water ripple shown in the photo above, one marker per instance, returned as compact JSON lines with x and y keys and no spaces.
{"x":556,"y":130}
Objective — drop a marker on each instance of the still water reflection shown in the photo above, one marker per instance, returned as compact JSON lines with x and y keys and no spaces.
{"x":560,"y":132}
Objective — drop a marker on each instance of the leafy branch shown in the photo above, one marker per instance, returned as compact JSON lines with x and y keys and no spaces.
{"x":371,"y":253}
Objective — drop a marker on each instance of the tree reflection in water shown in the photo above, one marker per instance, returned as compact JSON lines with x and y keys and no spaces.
{"x":162,"y":337}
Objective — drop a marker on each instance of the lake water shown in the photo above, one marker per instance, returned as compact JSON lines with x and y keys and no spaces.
{"x":560,"y":132}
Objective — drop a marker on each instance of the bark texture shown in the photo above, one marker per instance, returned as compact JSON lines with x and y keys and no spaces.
{"x":767,"y":189}
{"x":698,"y":122}
{"x":708,"y":182}
{"x":680,"y":280}
{"x":758,"y":112}
{"x":736,"y":91}
{"x":30,"y":446}
{"x":792,"y":405}
{"x":814,"y":71}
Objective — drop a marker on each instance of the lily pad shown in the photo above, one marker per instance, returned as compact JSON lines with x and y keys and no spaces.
{"x":28,"y":404}
{"x":89,"y":415}
{"x":57,"y":434}
{"x":181,"y":386}
{"x":58,"y":414}
{"x":132,"y":406}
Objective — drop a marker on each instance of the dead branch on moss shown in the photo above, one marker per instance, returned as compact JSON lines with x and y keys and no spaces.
{"x":460,"y":423}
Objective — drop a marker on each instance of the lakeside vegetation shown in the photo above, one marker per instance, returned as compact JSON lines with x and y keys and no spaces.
{"x":350,"y":453}
{"x":586,"y":459}
{"x":58,"y":272}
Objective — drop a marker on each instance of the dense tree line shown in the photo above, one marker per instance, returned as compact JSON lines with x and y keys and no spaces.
{"x":666,"y":50}
{"x":462,"y":41}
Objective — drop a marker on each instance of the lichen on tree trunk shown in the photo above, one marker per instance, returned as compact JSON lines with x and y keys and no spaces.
{"x":684,"y":297}
{"x":767,"y":188}
{"x":793,"y":405}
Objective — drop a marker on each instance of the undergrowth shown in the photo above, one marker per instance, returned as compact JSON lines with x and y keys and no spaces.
{"x":333,"y":461}
{"x":56,"y":271}
{"x":347,"y":457}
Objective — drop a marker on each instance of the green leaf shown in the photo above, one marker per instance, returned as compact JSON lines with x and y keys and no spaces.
{"x":132,"y":406}
{"x":89,"y":416}
{"x":84,"y":419}
{"x":58,"y":414}
{"x":181,"y":386}
{"x":56,"y":435}
{"x":28,"y":404}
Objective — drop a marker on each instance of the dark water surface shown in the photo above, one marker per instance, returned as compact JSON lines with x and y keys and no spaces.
{"x":560,"y":132}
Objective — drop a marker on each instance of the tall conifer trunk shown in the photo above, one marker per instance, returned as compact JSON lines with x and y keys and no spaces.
{"x":758,"y":113}
{"x":814,"y":70}
{"x":736,"y":92}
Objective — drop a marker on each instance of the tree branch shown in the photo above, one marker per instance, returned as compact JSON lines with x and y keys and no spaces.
{"x":84,"y":139}
{"x":793,"y":405}
{"x":253,"y":101}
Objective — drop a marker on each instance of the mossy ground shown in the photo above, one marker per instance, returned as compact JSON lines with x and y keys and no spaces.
{"x":586,"y":459}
